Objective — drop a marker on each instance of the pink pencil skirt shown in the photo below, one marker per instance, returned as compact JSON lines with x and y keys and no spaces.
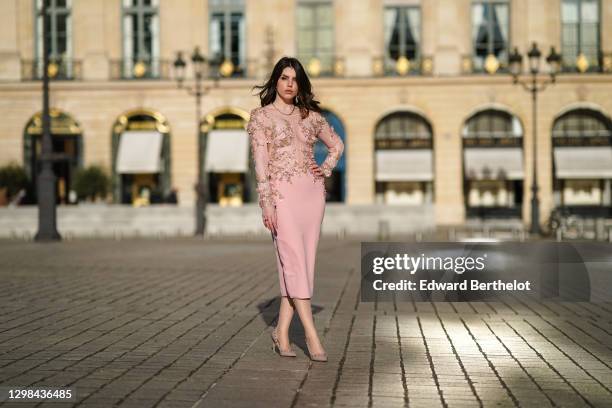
{"x":299,"y":216}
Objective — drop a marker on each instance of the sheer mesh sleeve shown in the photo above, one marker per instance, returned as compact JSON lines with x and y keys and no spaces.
{"x":259,"y":135}
{"x":334,"y":145}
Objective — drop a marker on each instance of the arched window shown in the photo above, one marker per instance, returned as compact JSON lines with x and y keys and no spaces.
{"x":403,"y":159}
{"x":335,"y":186}
{"x":403,"y":130}
{"x":492,"y":124}
{"x":228,"y":167}
{"x":582,"y":162}
{"x":584,"y":123}
{"x":493,"y":164}
{"x":67,"y":143}
{"x":141,"y":157}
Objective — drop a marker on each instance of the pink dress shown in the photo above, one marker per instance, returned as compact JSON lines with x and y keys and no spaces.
{"x":282,"y":147}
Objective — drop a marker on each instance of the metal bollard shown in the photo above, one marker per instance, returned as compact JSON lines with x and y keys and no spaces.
{"x":383,"y":230}
{"x":559,"y":234}
{"x":452,"y":234}
{"x":341,"y":233}
{"x":600,"y":232}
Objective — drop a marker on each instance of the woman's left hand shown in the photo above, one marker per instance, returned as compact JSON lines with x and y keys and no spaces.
{"x":316,"y":170}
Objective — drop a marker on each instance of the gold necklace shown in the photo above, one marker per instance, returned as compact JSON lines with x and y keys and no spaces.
{"x":282,"y":111}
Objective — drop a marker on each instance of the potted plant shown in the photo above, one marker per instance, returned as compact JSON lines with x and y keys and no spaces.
{"x":91,"y":183}
{"x":13,"y":179}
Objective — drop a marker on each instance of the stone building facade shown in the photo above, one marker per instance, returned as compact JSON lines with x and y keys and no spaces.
{"x":419,"y":89}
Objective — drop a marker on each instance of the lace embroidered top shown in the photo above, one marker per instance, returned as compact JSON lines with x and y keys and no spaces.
{"x":282,"y":146}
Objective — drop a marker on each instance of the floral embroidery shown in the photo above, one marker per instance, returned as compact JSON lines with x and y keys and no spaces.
{"x":335,"y":149}
{"x":260,"y":136}
{"x":282,"y":147}
{"x":309,"y":130}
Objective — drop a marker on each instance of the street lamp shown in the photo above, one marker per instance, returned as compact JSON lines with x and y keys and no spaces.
{"x":45,"y":186}
{"x":534,"y":86}
{"x":198,"y":62}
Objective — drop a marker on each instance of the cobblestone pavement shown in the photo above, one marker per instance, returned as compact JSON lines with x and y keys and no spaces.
{"x":186,"y":322}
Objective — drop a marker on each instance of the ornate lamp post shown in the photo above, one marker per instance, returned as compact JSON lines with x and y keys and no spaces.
{"x":47,"y":214}
{"x":199,"y":64}
{"x":534,"y":86}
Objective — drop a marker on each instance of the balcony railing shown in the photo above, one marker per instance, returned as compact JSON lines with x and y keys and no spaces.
{"x":231,"y":69}
{"x":583,"y":64}
{"x":472,"y":64}
{"x":140,"y":69}
{"x":324,"y":65}
{"x":382,"y":66}
{"x":163,"y":69}
{"x":63,"y":69}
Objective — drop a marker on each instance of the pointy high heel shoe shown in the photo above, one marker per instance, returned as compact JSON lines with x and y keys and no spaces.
{"x":276,"y":346}
{"x":316,"y":357}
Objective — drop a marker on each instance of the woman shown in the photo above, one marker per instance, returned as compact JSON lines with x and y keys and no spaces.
{"x":291,"y":189}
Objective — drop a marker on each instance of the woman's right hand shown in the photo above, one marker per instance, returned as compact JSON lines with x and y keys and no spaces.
{"x":269,"y":218}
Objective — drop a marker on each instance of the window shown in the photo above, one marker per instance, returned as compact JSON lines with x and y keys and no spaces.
{"x":403,"y":159}
{"x":492,"y":124}
{"x":580,"y":32}
{"x":402,"y":37}
{"x":227,"y":33}
{"x":59,"y":37}
{"x":582,"y":162}
{"x":403,"y":129}
{"x":140,"y":38}
{"x":315,"y":34}
{"x":493,"y":165}
{"x":582,"y":123}
{"x":490,"y":32}
{"x":335,"y":185}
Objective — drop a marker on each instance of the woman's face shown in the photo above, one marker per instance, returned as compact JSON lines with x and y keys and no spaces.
{"x":286,"y":86}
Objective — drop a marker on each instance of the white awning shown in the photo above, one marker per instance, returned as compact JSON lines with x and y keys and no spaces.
{"x":575,"y":162}
{"x":139,"y":152}
{"x":493,"y":163}
{"x":227,"y":151}
{"x":404,"y":165}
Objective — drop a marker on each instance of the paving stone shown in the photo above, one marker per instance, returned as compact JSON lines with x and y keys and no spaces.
{"x":185,"y":323}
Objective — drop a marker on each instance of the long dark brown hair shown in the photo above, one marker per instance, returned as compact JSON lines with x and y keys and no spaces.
{"x":304,"y":99}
